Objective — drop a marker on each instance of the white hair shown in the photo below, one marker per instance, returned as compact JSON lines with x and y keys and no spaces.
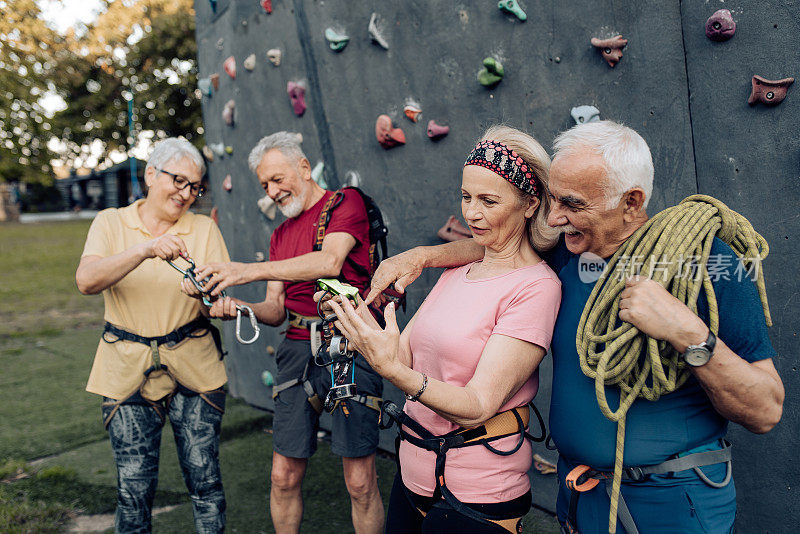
{"x":626,"y":156}
{"x":287,"y":142}
{"x":173,"y":148}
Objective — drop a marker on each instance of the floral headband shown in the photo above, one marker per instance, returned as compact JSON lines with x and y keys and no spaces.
{"x":504,"y":162}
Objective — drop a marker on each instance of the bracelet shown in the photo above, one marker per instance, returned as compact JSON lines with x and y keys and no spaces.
{"x":421,"y":390}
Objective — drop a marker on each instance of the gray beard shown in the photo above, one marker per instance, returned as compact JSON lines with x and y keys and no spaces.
{"x":293,"y":208}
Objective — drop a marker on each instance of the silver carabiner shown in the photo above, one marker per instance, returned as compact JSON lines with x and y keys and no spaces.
{"x":253,"y":323}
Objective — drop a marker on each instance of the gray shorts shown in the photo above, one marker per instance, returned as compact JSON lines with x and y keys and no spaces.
{"x":354,"y":431}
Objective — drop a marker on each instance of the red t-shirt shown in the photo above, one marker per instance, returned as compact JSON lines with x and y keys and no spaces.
{"x":295,"y":237}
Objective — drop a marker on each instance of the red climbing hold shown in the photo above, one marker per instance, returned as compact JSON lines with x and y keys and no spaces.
{"x":267,"y":5}
{"x":297,"y":94}
{"x":720,"y":26}
{"x":611,"y":48}
{"x":769,"y":92}
{"x":388,"y":136}
{"x":436,"y":131}
{"x":227,"y":183}
{"x":230,"y":67}
{"x":453,"y":230}
{"x":215,"y":81}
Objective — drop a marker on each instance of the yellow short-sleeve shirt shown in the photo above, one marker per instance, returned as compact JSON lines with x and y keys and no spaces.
{"x":148,"y":301}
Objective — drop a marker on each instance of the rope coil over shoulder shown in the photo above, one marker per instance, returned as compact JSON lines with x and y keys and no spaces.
{"x":610,"y":354}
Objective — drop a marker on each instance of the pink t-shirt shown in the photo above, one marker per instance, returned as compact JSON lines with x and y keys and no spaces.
{"x":447,"y":339}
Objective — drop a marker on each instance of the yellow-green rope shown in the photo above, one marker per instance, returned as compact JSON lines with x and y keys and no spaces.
{"x":662,"y":246}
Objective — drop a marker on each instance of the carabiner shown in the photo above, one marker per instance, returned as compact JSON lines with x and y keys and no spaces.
{"x":253,"y":323}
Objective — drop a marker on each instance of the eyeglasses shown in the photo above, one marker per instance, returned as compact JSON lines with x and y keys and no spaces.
{"x":182,"y":182}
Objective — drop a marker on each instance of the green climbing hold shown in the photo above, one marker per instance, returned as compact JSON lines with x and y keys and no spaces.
{"x":267,"y":378}
{"x":491,"y":73}
{"x":512,"y":7}
{"x":337,"y":41}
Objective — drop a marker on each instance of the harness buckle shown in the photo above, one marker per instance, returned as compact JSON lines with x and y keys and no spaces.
{"x":581,"y":479}
{"x":635,"y":473}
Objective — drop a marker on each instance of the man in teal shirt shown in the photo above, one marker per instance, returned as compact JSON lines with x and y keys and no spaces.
{"x":600,"y":182}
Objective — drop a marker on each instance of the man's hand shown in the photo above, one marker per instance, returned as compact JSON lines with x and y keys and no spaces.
{"x":400,"y":270}
{"x":189,"y":288}
{"x":654,"y":311}
{"x":223,"y":275}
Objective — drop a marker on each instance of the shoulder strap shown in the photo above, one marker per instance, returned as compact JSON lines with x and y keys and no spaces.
{"x":325,"y":217}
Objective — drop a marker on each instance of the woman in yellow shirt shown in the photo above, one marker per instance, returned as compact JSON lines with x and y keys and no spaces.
{"x":159,"y":355}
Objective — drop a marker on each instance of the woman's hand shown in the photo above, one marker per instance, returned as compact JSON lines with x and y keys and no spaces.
{"x":223,"y":308}
{"x":399,"y":270}
{"x":190,"y":289}
{"x":378,"y":346}
{"x":166,"y":247}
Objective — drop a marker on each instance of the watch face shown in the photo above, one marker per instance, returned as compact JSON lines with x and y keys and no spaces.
{"x":697,"y":356}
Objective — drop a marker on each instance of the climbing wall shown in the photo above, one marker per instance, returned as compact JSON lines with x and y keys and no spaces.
{"x":685,"y":94}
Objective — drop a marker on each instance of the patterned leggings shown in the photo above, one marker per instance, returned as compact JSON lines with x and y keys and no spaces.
{"x":135,"y":432}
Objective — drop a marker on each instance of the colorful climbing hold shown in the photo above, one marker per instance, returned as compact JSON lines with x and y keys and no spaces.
{"x":453,"y":230}
{"x":720,"y":26}
{"x":769,"y":92}
{"x":217,"y":148}
{"x":267,"y":378}
{"x":215,"y":215}
{"x":229,"y":112}
{"x":270,"y":350}
{"x":297,"y":94}
{"x":214,"y":81}
{"x":229,"y":65}
{"x":376,"y":33}
{"x":513,"y":7}
{"x":582,"y":114}
{"x":318,"y":175}
{"x":388,"y":136}
{"x":229,"y":150}
{"x":336,"y":40}
{"x":220,"y":43}
{"x":352,"y":178}
{"x":204,"y":84}
{"x":491,"y":73}
{"x":267,"y":5}
{"x":412,"y":111}
{"x":260,"y":256}
{"x":227,"y":183}
{"x":250,"y":62}
{"x":213,"y":5}
{"x":267,"y":206}
{"x":610,"y":48}
{"x":274,"y":56}
{"x":436,"y":131}
{"x":208,"y":153}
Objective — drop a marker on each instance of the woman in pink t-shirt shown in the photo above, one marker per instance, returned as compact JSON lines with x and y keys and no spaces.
{"x":472,"y":349}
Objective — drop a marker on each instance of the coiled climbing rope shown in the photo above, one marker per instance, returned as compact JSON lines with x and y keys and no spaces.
{"x":613,"y":352}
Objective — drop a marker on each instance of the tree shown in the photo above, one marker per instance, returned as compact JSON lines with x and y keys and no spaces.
{"x":141,"y":47}
{"x":27,"y":51}
{"x":145,"y":49}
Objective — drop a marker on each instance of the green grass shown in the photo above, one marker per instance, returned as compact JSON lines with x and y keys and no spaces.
{"x":48,"y":336}
{"x":37,"y":288}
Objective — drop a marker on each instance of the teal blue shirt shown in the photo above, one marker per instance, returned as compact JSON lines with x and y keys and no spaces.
{"x":656,"y":430}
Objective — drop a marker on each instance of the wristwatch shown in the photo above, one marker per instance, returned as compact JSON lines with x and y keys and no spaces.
{"x":698,"y":355}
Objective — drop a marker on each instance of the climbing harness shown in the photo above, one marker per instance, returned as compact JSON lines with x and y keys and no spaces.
{"x":189,"y":273}
{"x":610,"y":354}
{"x":583,"y":478}
{"x":114,"y":334}
{"x":508,"y":423}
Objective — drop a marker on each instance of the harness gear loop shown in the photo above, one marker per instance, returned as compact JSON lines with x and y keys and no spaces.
{"x":610,"y":354}
{"x":581,"y":479}
{"x":240,"y":308}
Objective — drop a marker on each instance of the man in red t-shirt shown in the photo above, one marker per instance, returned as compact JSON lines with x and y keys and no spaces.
{"x":293,"y":266}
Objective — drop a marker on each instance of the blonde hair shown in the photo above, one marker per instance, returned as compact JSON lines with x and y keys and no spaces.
{"x":540,"y":235}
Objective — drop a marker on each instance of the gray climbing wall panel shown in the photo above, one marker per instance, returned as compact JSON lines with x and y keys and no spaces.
{"x":435,"y":51}
{"x":748,"y":157}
